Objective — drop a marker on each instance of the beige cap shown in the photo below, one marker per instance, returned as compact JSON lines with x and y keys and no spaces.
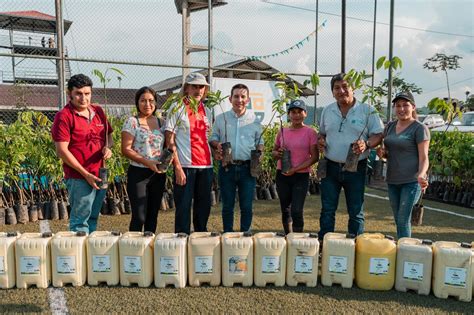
{"x":196,"y":78}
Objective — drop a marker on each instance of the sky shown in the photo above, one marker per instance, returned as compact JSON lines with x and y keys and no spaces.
{"x":149,"y":31}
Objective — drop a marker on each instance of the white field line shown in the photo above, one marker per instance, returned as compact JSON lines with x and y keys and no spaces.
{"x":429,"y":208}
{"x":56,"y":296}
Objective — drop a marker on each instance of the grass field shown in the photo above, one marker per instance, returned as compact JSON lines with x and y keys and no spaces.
{"x":437,"y":226}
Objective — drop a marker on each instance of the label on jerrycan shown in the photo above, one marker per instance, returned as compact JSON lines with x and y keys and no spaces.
{"x":169,"y":265}
{"x":132,"y":264}
{"x":303,"y":264}
{"x":413,"y":271}
{"x":379,"y":266}
{"x":101,"y":263}
{"x":30,"y":265}
{"x":66,"y":264}
{"x":455,"y":277}
{"x":270,"y":264}
{"x":238,"y":264}
{"x":203,"y":264}
{"x":338,"y":264}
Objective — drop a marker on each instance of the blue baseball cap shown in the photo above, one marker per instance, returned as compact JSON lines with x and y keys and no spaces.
{"x":297,"y":104}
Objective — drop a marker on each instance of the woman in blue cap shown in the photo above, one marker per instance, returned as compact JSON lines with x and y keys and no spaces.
{"x":292,"y":181}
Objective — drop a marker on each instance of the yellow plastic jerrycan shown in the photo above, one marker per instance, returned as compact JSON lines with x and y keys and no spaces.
{"x":103,"y":258}
{"x":171,"y":260}
{"x":376,"y":256}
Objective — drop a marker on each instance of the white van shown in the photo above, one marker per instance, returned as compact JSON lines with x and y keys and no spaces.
{"x":434,"y":120}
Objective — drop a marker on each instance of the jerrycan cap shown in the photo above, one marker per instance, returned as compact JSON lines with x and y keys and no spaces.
{"x":115,"y":233}
{"x":46,"y":234}
{"x":182,"y":235}
{"x":147,"y":234}
{"x":247,"y":234}
{"x":313,"y":235}
{"x":465,"y":245}
{"x":81,"y":233}
{"x":214,"y":234}
{"x":280,"y":234}
{"x":390,"y":237}
{"x":350,"y":235}
{"x":427,"y":242}
{"x":11,"y":234}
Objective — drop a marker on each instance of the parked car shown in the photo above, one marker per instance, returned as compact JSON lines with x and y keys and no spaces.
{"x":421,"y":117}
{"x":434,"y":120}
{"x":465,"y":124}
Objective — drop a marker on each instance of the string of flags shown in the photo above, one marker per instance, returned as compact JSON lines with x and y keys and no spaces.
{"x":298,"y":45}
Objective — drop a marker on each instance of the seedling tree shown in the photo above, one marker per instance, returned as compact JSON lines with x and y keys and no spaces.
{"x":104,"y":80}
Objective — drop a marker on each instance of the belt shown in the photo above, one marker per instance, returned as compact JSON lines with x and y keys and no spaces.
{"x":341,"y":164}
{"x":241,"y":162}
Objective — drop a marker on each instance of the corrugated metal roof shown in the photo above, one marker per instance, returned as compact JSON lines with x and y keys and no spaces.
{"x":33,"y":21}
{"x":174,"y":83}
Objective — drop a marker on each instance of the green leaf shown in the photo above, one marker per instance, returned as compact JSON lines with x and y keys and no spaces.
{"x":380,"y":62}
{"x":386,"y":64}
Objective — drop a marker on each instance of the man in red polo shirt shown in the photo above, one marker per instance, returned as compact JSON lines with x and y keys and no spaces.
{"x":79,"y":132}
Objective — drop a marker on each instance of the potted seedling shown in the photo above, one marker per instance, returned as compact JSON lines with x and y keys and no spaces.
{"x":213,"y":99}
{"x":288,"y":92}
{"x":103,"y":171}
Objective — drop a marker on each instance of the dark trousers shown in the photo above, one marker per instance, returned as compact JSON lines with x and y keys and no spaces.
{"x":198,"y":186}
{"x":145,"y":190}
{"x":354,"y":187}
{"x":292,"y":191}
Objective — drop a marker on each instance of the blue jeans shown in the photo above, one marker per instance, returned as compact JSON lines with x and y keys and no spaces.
{"x":230,"y":179}
{"x":354,"y":187}
{"x":85,"y":204}
{"x":198,"y":187}
{"x":402,"y":198}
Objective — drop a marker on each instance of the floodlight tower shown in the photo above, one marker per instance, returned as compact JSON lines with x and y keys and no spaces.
{"x":185,"y":8}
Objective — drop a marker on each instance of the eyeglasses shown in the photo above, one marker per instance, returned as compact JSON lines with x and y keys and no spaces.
{"x":343,"y":120}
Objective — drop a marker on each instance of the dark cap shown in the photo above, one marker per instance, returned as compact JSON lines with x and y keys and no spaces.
{"x":297,"y":104}
{"x":406,"y":95}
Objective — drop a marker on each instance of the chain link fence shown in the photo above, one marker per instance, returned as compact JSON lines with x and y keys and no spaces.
{"x":143,"y":38}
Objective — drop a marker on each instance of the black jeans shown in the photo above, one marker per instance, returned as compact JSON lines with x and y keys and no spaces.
{"x":292,"y":191}
{"x":145,"y":190}
{"x":198,"y":187}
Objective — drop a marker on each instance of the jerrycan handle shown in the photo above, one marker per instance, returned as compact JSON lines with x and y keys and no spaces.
{"x":390,"y":237}
{"x":247,"y":234}
{"x":115,"y":233}
{"x":12,"y":234}
{"x":313,"y":235}
{"x":465,"y":245}
{"x":46,"y":234}
{"x":182,"y":235}
{"x":81,"y":233}
{"x":280,"y":234}
{"x":427,"y":242}
{"x":147,"y":234}
{"x":350,"y":235}
{"x":214,"y":234}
